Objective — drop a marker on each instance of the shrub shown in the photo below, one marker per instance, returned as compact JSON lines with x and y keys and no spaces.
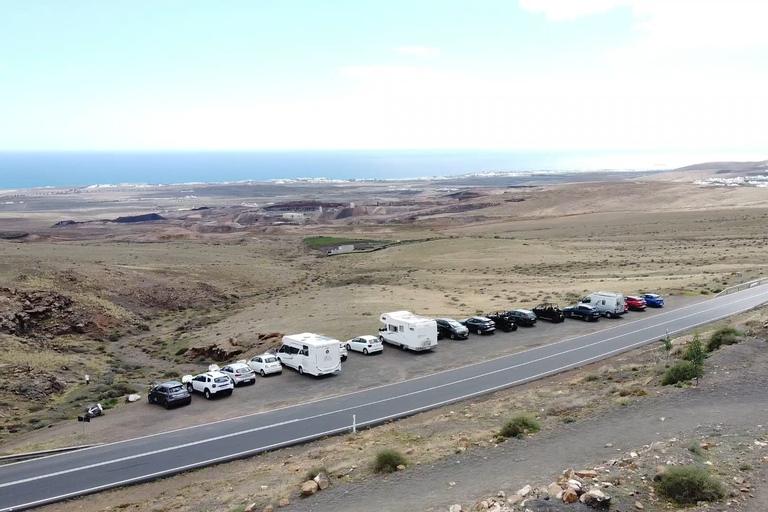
{"x":387,"y":461}
{"x":312,"y":473}
{"x":690,"y":484}
{"x":696,"y":449}
{"x":569,"y":419}
{"x":142,"y":327}
{"x":113,"y":336}
{"x":519,"y":425}
{"x":727,"y":335}
{"x":745,"y":466}
{"x":591,"y":377}
{"x":682,"y":371}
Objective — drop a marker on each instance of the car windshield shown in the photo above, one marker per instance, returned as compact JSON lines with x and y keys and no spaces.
{"x":221,"y":379}
{"x":270,"y":359}
{"x":454,"y":324}
{"x":175,"y":389}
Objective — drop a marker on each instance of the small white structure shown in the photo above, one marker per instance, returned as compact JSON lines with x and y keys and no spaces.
{"x":310,"y":353}
{"x":609,"y":304}
{"x":408,"y":331}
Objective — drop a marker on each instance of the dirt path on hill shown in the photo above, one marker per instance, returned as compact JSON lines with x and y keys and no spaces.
{"x":730,"y":399}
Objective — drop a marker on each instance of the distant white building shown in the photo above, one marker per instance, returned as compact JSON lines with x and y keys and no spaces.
{"x":341,"y":249}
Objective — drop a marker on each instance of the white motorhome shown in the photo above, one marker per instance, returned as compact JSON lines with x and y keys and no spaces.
{"x":310,"y":353}
{"x":408,"y":331}
{"x":609,"y":304}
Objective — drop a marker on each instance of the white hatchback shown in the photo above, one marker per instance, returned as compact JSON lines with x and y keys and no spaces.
{"x":365,"y":344}
{"x":265,"y":364}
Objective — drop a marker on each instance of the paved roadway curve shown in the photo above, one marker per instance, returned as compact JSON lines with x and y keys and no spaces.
{"x":33,"y":483}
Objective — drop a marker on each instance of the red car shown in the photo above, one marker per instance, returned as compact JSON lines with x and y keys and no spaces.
{"x":635,"y":303}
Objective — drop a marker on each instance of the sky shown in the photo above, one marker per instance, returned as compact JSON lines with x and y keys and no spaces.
{"x":392,"y":74}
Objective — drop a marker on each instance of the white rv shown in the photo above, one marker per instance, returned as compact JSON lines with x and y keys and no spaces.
{"x":609,"y":304}
{"x":408,"y":331}
{"x":310,"y":353}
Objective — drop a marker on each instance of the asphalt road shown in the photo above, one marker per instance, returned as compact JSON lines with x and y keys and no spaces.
{"x":33,"y":483}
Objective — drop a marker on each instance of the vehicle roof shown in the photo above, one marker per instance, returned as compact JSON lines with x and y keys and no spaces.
{"x":652,"y":295}
{"x":483,"y":318}
{"x":406,"y":316}
{"x":170,"y":383}
{"x":448,"y":319}
{"x":633,"y":297}
{"x":366,"y":337}
{"x":237,"y":364}
{"x":310,"y":338}
{"x":213,"y":374}
{"x":583,"y":305}
{"x":526,"y":311}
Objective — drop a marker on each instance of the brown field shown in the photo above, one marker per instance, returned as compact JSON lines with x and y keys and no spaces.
{"x":145,"y":301}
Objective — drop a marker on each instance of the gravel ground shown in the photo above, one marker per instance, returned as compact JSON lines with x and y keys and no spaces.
{"x":730,"y":399}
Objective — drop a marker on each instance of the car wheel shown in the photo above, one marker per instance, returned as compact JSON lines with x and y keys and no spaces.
{"x":453,"y":336}
{"x":166,"y":404}
{"x":229,"y":393}
{"x":207,"y":394}
{"x":262,"y":373}
{"x":381,"y":339}
{"x":365,"y":351}
{"x":349,"y":347}
{"x":301,"y":370}
{"x":190,"y":389}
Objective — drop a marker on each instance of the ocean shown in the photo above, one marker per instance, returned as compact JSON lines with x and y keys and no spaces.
{"x":72,"y":169}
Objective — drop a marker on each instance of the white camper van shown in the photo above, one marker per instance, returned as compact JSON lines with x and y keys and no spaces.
{"x":609,"y":304}
{"x":310,"y":353}
{"x":408,"y":331}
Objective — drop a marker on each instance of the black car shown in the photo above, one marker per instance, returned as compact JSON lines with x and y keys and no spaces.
{"x":450,"y":328}
{"x":549,"y":311}
{"x":169,"y":394}
{"x":479,"y":324}
{"x":583,"y":311}
{"x":503,"y":321}
{"x":524,"y":317}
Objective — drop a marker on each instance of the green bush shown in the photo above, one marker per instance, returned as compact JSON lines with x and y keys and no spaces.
{"x":682,"y":371}
{"x":387,"y":461}
{"x":689,"y":484}
{"x":519,"y":425}
{"x":142,"y":327}
{"x":312,"y":473}
{"x":727,"y":335}
{"x":113,"y":336}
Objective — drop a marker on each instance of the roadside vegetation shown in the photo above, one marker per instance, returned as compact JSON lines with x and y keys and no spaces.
{"x":688,"y":485}
{"x":387,"y":461}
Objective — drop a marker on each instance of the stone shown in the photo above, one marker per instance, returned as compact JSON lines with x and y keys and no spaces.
{"x":284,"y":502}
{"x":609,"y":445}
{"x":400,"y":467}
{"x":525,"y":491}
{"x":309,"y":488}
{"x":482,"y":505}
{"x":250,"y":507}
{"x":269,"y":508}
{"x":575,"y":485}
{"x":323,"y":482}
{"x":739,"y":479}
{"x":585,"y":473}
{"x":596,"y":499}
{"x":570,"y":496}
{"x":639,"y":506}
{"x":553,"y":489}
{"x":514,"y":499}
{"x":705,"y":446}
{"x":455,"y":508}
{"x":568,"y":474}
{"x":501,"y":494}
{"x":133,"y":398}
{"x":661,"y":470}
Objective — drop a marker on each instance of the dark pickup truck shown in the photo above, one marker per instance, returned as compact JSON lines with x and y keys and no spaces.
{"x":503,"y":321}
{"x":549,"y":311}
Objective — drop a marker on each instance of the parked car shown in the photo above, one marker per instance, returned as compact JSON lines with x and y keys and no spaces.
{"x":635,"y":303}
{"x":169,"y":394}
{"x":583,"y":311}
{"x":450,"y":328}
{"x":239,"y":373}
{"x":653,"y":300}
{"x":265,"y":364}
{"x":365,"y":344}
{"x":524,"y":317}
{"x":549,"y":311}
{"x":343,"y":354}
{"x":503,"y":321}
{"x":479,"y":324}
{"x":210,"y":384}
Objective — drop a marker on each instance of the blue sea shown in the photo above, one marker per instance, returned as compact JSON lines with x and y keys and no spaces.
{"x":71,"y":169}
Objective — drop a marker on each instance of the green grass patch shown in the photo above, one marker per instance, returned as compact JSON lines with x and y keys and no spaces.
{"x":727,"y":335}
{"x":386,"y":461}
{"x":520,"y":425}
{"x":320,"y":241}
{"x":686,"y":485}
{"x":682,"y":371}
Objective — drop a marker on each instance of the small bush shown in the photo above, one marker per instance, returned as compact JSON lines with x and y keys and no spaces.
{"x":745,"y":466}
{"x":696,"y":449}
{"x":113,"y":337}
{"x":312,"y":473}
{"x":727,"y":335}
{"x":569,"y":419}
{"x":689,"y":484}
{"x":519,"y":425}
{"x":142,"y":327}
{"x":387,"y":461}
{"x":591,"y":377}
{"x":682,"y":371}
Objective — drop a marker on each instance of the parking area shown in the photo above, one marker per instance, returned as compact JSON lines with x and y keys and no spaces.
{"x":393,"y":364}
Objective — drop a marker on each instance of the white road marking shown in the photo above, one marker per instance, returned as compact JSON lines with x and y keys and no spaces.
{"x":413,"y":411}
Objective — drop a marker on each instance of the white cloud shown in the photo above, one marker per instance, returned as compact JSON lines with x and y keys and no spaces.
{"x":568,"y":9}
{"x":419,"y":51}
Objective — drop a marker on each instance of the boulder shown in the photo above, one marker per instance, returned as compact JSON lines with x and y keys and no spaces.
{"x":323,"y":482}
{"x":400,"y":467}
{"x":596,"y":499}
{"x":284,"y":502}
{"x":638,"y":505}
{"x":525,"y":491}
{"x":514,"y":499}
{"x":661,"y":470}
{"x":309,"y":488}
{"x":269,"y":508}
{"x":250,"y":507}
{"x":553,"y":489}
{"x":570,"y":496}
{"x":585,"y":473}
{"x":455,"y":508}
{"x":133,"y":398}
{"x":576,"y":485}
